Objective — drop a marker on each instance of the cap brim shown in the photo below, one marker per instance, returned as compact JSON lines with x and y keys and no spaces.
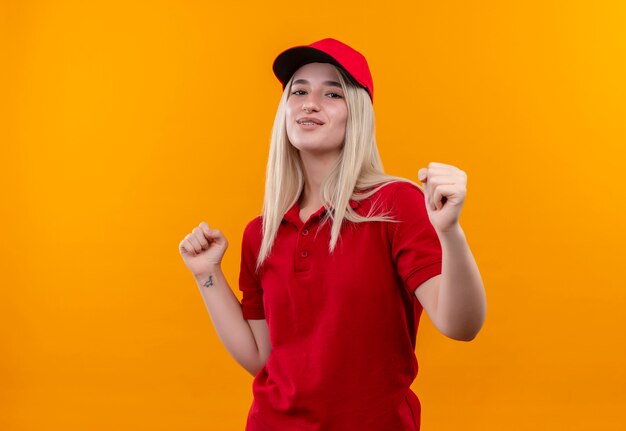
{"x":292,"y":59}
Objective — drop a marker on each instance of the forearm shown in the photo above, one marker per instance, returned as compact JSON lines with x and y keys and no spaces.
{"x":226,"y":314}
{"x":461,"y":305}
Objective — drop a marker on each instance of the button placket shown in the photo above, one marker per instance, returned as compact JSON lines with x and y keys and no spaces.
{"x":303,"y":249}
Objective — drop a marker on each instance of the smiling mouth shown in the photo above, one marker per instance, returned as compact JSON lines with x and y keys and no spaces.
{"x":309,"y":121}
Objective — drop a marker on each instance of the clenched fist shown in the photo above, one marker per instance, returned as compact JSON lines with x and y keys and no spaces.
{"x":203,"y":249}
{"x":444,"y":192}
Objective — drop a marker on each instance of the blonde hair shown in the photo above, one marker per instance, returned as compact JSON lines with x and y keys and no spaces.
{"x":358,"y":168}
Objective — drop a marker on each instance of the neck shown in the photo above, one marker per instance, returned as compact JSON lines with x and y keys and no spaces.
{"x":316,"y":168}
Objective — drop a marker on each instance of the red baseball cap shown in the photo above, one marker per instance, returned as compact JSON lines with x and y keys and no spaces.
{"x":325,"y":51}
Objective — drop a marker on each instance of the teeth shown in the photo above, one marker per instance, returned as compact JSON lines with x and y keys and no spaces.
{"x":307,"y":122}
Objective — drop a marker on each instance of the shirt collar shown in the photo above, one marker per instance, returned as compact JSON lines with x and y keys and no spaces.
{"x":293,"y":214}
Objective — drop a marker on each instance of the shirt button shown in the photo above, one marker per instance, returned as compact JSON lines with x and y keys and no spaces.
{"x":304,"y":253}
{"x":305,"y":232}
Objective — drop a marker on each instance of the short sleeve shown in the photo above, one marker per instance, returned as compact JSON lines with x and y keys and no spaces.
{"x":249,"y":283}
{"x":415,"y":245}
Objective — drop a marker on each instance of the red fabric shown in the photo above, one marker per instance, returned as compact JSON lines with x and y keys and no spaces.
{"x":342,"y":325}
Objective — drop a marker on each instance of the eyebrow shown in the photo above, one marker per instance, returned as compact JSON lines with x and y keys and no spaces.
{"x":329,"y":83}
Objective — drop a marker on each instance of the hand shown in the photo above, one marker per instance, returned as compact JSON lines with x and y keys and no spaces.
{"x":203,"y":249}
{"x":444,"y":192}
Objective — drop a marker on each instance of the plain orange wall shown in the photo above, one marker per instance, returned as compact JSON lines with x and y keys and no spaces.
{"x":125,"y":124}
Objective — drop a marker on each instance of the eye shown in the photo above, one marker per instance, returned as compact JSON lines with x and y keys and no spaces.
{"x":336,"y":95}
{"x":297,"y":92}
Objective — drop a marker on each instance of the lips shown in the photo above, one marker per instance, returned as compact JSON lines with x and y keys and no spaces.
{"x":309,"y":120}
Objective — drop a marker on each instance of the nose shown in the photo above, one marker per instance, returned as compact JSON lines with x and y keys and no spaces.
{"x":310,"y":103}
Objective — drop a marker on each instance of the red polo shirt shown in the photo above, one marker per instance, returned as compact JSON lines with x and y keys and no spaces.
{"x":342,"y":325}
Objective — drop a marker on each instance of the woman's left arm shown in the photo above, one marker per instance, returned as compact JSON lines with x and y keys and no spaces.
{"x":455,"y":300}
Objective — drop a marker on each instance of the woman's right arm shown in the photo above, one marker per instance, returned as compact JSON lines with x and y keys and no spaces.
{"x":202,"y":250}
{"x":234,"y":331}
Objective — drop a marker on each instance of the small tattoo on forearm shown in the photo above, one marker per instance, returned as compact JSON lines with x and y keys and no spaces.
{"x":209,"y":282}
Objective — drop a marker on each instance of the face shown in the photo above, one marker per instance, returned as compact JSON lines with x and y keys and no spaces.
{"x":316,"y":110}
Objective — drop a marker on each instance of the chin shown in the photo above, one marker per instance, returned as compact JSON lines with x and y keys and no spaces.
{"x":315,"y":148}
{"x":316,"y":145}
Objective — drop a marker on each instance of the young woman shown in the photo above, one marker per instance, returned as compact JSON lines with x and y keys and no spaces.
{"x":336,"y":271}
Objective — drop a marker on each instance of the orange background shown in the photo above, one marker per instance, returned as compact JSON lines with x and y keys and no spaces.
{"x":125,"y":124}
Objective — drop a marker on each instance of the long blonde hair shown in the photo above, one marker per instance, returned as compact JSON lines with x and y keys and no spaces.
{"x":358,"y":169}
